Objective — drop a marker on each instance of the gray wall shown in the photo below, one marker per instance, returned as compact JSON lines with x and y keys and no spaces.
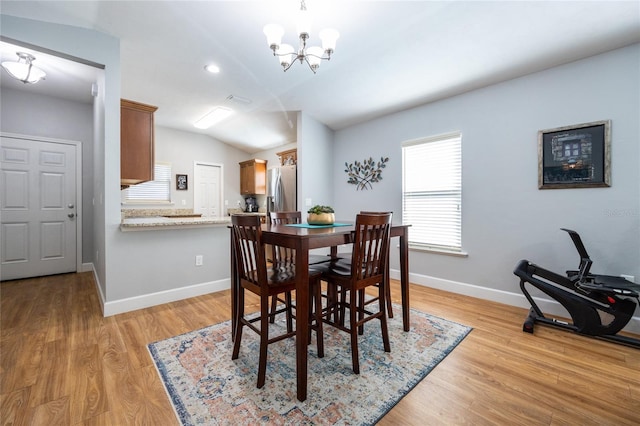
{"x":315,"y":149}
{"x":505,"y":216}
{"x":29,"y":114}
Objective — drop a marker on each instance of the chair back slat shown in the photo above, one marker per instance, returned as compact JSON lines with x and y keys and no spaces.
{"x":370,"y":246}
{"x":250,"y":258}
{"x":283,"y":256}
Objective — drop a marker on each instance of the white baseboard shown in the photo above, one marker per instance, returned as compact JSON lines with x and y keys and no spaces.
{"x":147,"y":300}
{"x":548,"y":306}
{"x":87,"y":267}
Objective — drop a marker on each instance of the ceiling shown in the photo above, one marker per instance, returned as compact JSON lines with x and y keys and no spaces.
{"x":391,"y":55}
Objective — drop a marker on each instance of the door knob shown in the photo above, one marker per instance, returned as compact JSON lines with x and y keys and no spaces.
{"x":70,"y":206}
{"x":71,"y":215}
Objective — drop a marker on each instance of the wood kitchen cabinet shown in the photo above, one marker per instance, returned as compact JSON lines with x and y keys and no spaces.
{"x":253,"y":177}
{"x":136,"y":142}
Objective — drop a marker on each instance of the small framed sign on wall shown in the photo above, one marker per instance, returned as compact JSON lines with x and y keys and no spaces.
{"x":181,"y":182}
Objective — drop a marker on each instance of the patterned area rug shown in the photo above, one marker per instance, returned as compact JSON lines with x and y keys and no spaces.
{"x":207,"y":388}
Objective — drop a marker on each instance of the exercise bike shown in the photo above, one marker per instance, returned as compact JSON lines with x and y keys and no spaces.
{"x":599,"y":305}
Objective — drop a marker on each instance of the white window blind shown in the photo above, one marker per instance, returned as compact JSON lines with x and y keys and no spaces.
{"x":157,"y":190}
{"x":432,"y":192}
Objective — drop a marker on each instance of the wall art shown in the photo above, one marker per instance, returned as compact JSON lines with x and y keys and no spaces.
{"x":364,"y":174}
{"x":577,"y":156}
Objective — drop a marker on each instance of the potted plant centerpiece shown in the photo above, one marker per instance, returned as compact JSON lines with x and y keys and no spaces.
{"x":320,"y":215}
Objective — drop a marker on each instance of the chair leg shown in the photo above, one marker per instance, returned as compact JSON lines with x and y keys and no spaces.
{"x":274,"y":306}
{"x":289,"y":314}
{"x":264,"y":340}
{"x":388,"y":292}
{"x":317,"y":295}
{"x":239,"y":323}
{"x":383,"y":322}
{"x":342,"y":304}
{"x":360,"y":311}
{"x":353,"y":331}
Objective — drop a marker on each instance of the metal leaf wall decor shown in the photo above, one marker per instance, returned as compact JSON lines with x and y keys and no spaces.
{"x":364,"y":174}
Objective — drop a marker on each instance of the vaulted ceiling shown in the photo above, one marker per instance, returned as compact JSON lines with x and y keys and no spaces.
{"x":391,"y":55}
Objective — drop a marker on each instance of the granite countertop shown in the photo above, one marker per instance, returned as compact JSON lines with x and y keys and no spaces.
{"x":158,"y":219}
{"x":162,"y":222}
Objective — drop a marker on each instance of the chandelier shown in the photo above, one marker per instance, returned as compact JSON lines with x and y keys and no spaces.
{"x":312,"y":55}
{"x":24,"y":70}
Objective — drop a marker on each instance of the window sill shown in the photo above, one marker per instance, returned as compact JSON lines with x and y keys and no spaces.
{"x":438,"y":251}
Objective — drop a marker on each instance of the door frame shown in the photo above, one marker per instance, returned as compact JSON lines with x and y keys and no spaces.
{"x":209,"y":164}
{"x":78,"y":177}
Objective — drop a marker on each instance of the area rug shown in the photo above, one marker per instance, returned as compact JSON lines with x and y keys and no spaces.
{"x":206,"y":387}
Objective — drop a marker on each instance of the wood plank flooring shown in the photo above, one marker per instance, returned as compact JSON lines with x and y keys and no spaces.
{"x":62,"y":363}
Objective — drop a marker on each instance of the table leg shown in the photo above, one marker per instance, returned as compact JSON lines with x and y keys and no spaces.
{"x":302,"y":317}
{"x":404,"y":278}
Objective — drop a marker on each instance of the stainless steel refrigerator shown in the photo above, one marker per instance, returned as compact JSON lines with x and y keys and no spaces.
{"x":282,"y":192}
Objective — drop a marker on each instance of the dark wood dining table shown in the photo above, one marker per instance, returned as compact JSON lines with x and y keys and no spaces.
{"x":303,"y":239}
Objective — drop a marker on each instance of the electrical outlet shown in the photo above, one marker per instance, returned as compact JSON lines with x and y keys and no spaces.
{"x":629,"y":277}
{"x":199,"y":260}
{"x":307,"y":202}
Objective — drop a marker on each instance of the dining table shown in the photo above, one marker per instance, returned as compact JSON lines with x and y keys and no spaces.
{"x":303,"y":238}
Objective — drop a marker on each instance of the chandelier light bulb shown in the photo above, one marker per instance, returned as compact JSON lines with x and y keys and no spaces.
{"x":314,"y":57}
{"x":329,"y":36}
{"x":287,"y":55}
{"x":274,"y":35}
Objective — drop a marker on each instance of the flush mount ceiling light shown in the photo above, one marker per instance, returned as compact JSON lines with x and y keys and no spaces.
{"x":214,"y":116}
{"x":311,"y":55}
{"x":24,"y":70}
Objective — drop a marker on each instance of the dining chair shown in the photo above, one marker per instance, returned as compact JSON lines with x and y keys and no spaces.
{"x":347,"y":258}
{"x":366,"y":268}
{"x":254,"y":276}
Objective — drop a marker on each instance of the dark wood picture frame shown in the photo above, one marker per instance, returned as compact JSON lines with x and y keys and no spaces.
{"x":577,"y":156}
{"x":182,"y":182}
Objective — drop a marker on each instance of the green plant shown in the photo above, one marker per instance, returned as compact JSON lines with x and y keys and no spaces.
{"x":365,"y":173}
{"x":318,"y":209}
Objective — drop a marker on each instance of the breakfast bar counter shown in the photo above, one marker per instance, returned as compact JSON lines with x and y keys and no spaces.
{"x":162,"y":219}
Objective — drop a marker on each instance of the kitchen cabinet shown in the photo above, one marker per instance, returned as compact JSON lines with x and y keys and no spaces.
{"x":288,"y":158}
{"x":253,"y":177}
{"x":136,"y":142}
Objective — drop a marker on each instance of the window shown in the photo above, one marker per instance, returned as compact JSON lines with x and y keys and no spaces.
{"x":157,"y":190}
{"x":432,"y":192}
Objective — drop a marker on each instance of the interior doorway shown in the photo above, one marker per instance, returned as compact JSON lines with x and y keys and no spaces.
{"x":40,"y":202}
{"x":207,"y":193}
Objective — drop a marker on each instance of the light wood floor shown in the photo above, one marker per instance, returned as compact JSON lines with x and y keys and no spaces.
{"x":62,"y":363}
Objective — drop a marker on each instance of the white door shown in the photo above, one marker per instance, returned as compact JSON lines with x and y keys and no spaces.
{"x":207,"y":189}
{"x":38,"y":226}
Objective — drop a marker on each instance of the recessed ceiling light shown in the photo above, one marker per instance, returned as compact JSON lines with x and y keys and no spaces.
{"x":214,"y":116}
{"x":212,"y":68}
